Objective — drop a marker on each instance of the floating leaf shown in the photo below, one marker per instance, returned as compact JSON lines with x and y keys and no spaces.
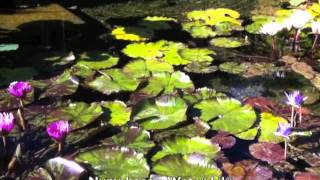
{"x":270,"y":152}
{"x":199,"y":31}
{"x":224,"y":140}
{"x":163,"y":113}
{"x":142,"y":68}
{"x":156,"y":22}
{"x":183,"y":145}
{"x":249,"y":134}
{"x":79,"y":114}
{"x":120,"y":113}
{"x":144,"y":50}
{"x":186,"y":167}
{"x":132,"y":137}
{"x":296,"y":2}
{"x":8,"y":75}
{"x":232,"y":117}
{"x":62,"y":85}
{"x":233,"y":67}
{"x":97,"y":60}
{"x":228,"y":42}
{"x":202,"y":94}
{"x":132,"y":33}
{"x":8,"y":47}
{"x":167,"y":83}
{"x":113,"y":81}
{"x":306,"y":176}
{"x":115,"y":163}
{"x":200,"y":67}
{"x":259,"y":21}
{"x":197,"y":54}
{"x":268,"y":126}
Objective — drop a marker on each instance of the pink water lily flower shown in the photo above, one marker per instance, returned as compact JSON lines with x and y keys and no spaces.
{"x":6,"y":123}
{"x":19,"y":88}
{"x":58,"y":130}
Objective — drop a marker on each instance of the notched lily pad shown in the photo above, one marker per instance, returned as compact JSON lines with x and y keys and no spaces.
{"x":97,"y":60}
{"x":119,"y":112}
{"x":229,"y":42}
{"x":183,"y":145}
{"x":115,"y":162}
{"x":268,"y":126}
{"x":162,"y":113}
{"x":132,"y":33}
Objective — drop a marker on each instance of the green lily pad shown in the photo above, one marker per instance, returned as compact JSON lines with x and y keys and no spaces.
{"x":183,"y":145}
{"x":97,"y":60}
{"x":249,"y":134}
{"x":79,"y":114}
{"x":162,"y":113}
{"x":187,"y":167}
{"x":202,"y":94}
{"x":233,"y":67}
{"x":232,"y":117}
{"x":268,"y":126}
{"x":167,"y":83}
{"x":132,"y":33}
{"x":144,"y":50}
{"x":8,"y":75}
{"x":82,"y":71}
{"x":199,"y":30}
{"x":8,"y":47}
{"x":62,"y":85}
{"x":113,"y":81}
{"x":197,"y":54}
{"x":258,"y":22}
{"x":228,"y":42}
{"x":142,"y":69}
{"x":200,"y":67}
{"x":115,"y":163}
{"x":120,"y":113}
{"x":132,"y":137}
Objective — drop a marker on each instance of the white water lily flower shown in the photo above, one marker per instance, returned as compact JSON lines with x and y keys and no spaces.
{"x":271,"y":28}
{"x":287,"y":23}
{"x":315,"y":25}
{"x":299,"y":18}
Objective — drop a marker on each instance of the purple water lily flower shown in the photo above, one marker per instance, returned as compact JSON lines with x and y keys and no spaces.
{"x":58,"y":130}
{"x":284,"y":130}
{"x":19,"y":88}
{"x":295,"y":99}
{"x":6,"y":123}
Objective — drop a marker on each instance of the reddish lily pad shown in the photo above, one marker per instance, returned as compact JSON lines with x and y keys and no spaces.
{"x":269,"y":152}
{"x":225,"y":140}
{"x":306,"y":176}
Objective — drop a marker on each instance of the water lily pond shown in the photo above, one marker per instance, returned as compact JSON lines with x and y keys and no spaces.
{"x":156,"y":89}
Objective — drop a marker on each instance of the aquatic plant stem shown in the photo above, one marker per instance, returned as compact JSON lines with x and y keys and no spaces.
{"x":60,"y":146}
{"x":20,"y":115}
{"x":300,"y":115}
{"x":314,"y":42}
{"x":274,"y":55}
{"x":295,"y":41}
{"x":292,"y":117}
{"x":285,"y":148}
{"x":4,"y":141}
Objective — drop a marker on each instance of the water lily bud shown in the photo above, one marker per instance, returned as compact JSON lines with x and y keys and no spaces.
{"x":58,"y":130}
{"x":295,"y":99}
{"x":6,"y":123}
{"x":315,"y":25}
{"x":19,"y":89}
{"x":300,"y":18}
{"x":284,"y":130}
{"x":271,"y":28}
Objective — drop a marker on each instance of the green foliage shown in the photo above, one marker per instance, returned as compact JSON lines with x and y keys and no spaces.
{"x":181,"y":166}
{"x":232,"y":117}
{"x":97,"y":60}
{"x":115,"y":162}
{"x":132,"y":33}
{"x":8,"y":47}
{"x":296,"y":2}
{"x":228,"y":42}
{"x":119,"y":112}
{"x":113,"y":81}
{"x":184,"y":146}
{"x":162,"y":113}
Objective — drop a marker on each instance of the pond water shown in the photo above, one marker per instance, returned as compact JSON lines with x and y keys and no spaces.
{"x":159,"y":88}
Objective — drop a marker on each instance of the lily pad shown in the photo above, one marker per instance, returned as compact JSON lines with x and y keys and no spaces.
{"x":115,"y":163}
{"x":270,"y":152}
{"x":197,"y":54}
{"x":8,"y":75}
{"x":62,"y":85}
{"x":144,"y":50}
{"x":224,"y":140}
{"x":200,"y":67}
{"x":228,"y":42}
{"x":119,"y":112}
{"x":79,"y":114}
{"x":268,"y":126}
{"x":132,"y":137}
{"x":249,"y":134}
{"x":132,"y":33}
{"x":8,"y":102}
{"x":202,"y":94}
{"x":233,"y":67}
{"x":113,"y":81}
{"x":162,"y":113}
{"x":199,"y":30}
{"x":156,"y":22}
{"x":232,"y":117}
{"x":8,"y":47}
{"x":97,"y":60}
{"x":183,"y":145}
{"x":142,"y":69}
{"x":186,"y":167}
{"x":167,"y":83}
